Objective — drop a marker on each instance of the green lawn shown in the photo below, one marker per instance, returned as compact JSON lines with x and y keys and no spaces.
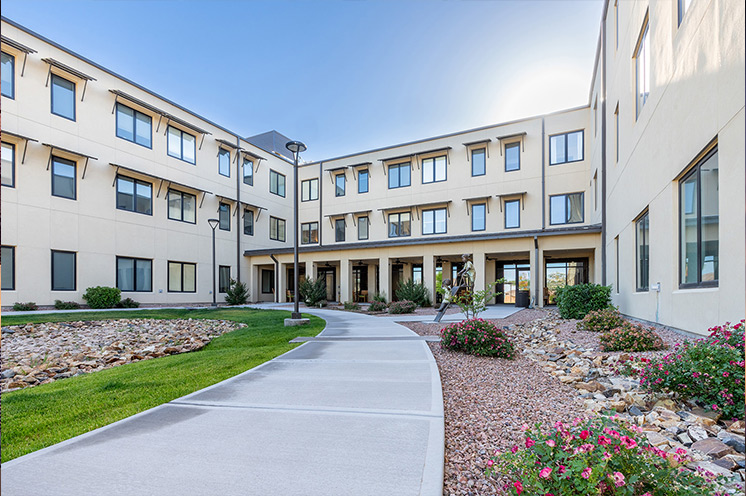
{"x":37,"y":417}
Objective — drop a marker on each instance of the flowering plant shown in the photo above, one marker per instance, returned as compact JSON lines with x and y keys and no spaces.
{"x":477,"y":337}
{"x":601,"y":320}
{"x":629,"y":337}
{"x":403,"y":306}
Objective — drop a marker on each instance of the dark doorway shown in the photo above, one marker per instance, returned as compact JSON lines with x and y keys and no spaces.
{"x":517,"y":278}
{"x":360,"y":283}
{"x":397,"y":277}
{"x":291,"y":280}
{"x":329,"y":276}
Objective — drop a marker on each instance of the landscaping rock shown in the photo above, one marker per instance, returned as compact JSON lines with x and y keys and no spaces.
{"x":697,"y":433}
{"x":733,"y":440}
{"x":713,"y":447}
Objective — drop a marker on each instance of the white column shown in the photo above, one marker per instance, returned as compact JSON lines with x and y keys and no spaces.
{"x":428,"y":274}
{"x":345,"y":280}
{"x":385,"y":277}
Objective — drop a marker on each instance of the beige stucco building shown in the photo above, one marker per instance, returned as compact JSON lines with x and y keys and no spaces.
{"x":107,"y":183}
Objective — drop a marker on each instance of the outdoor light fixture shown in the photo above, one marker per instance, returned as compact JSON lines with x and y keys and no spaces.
{"x":297,"y":148}
{"x":213,"y":224}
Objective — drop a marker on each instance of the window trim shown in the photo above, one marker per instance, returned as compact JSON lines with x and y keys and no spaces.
{"x":135,"y":182}
{"x":134,"y":275}
{"x":12,"y":165}
{"x":221,"y":153}
{"x":271,"y":281}
{"x":310,"y":189}
{"x":75,"y":94}
{"x":398,"y":168}
{"x":220,"y":269}
{"x":646,"y":238}
{"x":284,"y":183}
{"x":566,"y":134}
{"x":220,"y":214}
{"x":435,"y":180}
{"x":13,"y":82}
{"x":74,"y":165}
{"x":336,"y":184}
{"x":435,"y":231}
{"x":336,"y":230}
{"x":505,"y":215}
{"x":484,"y":206}
{"x":399,"y":214}
{"x":75,"y":270}
{"x":276,"y":220}
{"x":181,"y":143}
{"x":639,"y":48}
{"x":243,"y":171}
{"x":367,"y":227}
{"x":566,"y":195}
{"x":168,"y":276}
{"x":13,"y":268}
{"x":134,"y":124}
{"x":367,"y":181}
{"x":168,"y":209}
{"x":248,"y":211}
{"x":516,"y":144}
{"x":309,"y":225}
{"x":483,"y":150}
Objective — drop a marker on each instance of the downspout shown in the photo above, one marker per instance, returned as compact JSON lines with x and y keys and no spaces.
{"x":277,"y":277}
{"x":238,"y":207}
{"x":538,"y":271}
{"x":543,"y":178}
{"x":603,"y":147}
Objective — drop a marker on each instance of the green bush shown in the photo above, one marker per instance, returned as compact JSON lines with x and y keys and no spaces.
{"x":404,"y":306}
{"x":66,"y":305}
{"x":378,"y":306}
{"x":102,"y":297}
{"x":574,"y":302}
{"x":128,"y":303}
{"x":351,"y":305}
{"x":414,"y":291}
{"x":631,"y":337}
{"x":379,"y":297}
{"x":601,"y":320}
{"x":237,"y":293}
{"x":313,"y":293}
{"x":477,"y":337}
{"x":25,"y":307}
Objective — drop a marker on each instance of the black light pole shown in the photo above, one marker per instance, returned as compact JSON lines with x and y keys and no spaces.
{"x":296,"y":147}
{"x":213,"y":224}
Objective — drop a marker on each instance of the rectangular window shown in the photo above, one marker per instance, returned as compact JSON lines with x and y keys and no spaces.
{"x":434,"y":221}
{"x":224,"y":162}
{"x":363,"y":226}
{"x":134,"y":274}
{"x":512,"y":157}
{"x":400,"y":175}
{"x":479,"y":217}
{"x":434,"y":170}
{"x":248,"y":222}
{"x":309,"y":190}
{"x":134,"y":126}
{"x":63,"y":97}
{"x":8,"y":83}
{"x":268,"y":281}
{"x":512,"y":214}
{"x":642,"y":229}
{"x":9,"y":165}
{"x":363,"y":178}
{"x":276,"y":229}
{"x":478,"y":162}
{"x":182,"y":206}
{"x":339,"y":230}
{"x":565,"y":148}
{"x":699,"y":224}
{"x":134,"y":195}
{"x":683,"y":7}
{"x":182,"y":277}
{"x":224,"y":216}
{"x":248,"y":171}
{"x":642,"y":69}
{"x":309,"y":233}
{"x":400,"y":225}
{"x":276,"y":183}
{"x":63,"y":270}
{"x":63,"y":178}
{"x":182,"y":145}
{"x":566,"y":209}
{"x":339,"y":185}
{"x":224,"y":278}
{"x":8,"y":268}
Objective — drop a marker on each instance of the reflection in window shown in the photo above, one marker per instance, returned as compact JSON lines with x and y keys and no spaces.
{"x":339,"y":183}
{"x":8,"y":83}
{"x":567,"y":147}
{"x":434,"y":221}
{"x":564,"y":273}
{"x":63,"y":97}
{"x":642,"y":229}
{"x":433,"y":170}
{"x":400,"y":175}
{"x":309,"y":233}
{"x":512,"y":214}
{"x":642,"y":69}
{"x":182,"y":206}
{"x":512,"y":157}
{"x":339,"y":230}
{"x":478,"y":163}
{"x":63,"y":270}
{"x":134,"y":126}
{"x":9,"y":165}
{"x":363,"y":227}
{"x":63,"y":178}
{"x":134,"y":274}
{"x":134,"y":195}
{"x":400,"y":225}
{"x":309,"y":190}
{"x":182,"y":277}
{"x":224,"y":163}
{"x":182,"y":145}
{"x":363,"y":178}
{"x":248,"y":222}
{"x":478,"y":217}
{"x":224,"y":216}
{"x":566,"y":209}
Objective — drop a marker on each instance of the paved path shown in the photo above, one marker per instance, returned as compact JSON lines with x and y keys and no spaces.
{"x":333,"y":417}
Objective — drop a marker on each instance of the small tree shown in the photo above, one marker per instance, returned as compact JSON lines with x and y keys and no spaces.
{"x":237,"y":293}
{"x":414,"y":291}
{"x":312,"y":292}
{"x":472,"y":304}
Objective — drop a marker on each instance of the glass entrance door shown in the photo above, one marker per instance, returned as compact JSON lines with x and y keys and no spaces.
{"x":360,"y":283}
{"x":517,"y":277}
{"x":328,"y":275}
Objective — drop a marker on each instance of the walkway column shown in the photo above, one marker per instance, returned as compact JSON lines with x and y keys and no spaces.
{"x":384,"y":272}
{"x":254,"y":282}
{"x":537,"y":277}
{"x":345,"y":280}
{"x":282,"y":282}
{"x":371,"y":281}
{"x":478,"y":260}
{"x":428,"y":274}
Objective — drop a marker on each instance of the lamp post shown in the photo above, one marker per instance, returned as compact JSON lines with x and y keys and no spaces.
{"x":213,"y":224}
{"x":296,"y":147}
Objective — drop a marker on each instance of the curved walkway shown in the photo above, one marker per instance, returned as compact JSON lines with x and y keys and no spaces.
{"x":359,"y":411}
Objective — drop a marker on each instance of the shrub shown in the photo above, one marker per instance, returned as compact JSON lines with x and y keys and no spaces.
{"x":66,"y":305}
{"x":102,"y":296}
{"x":237,"y":293}
{"x":709,"y":369}
{"x":404,"y":306}
{"x":574,"y":302}
{"x":477,"y":337}
{"x":313,"y":293}
{"x":128,"y":303}
{"x":414,"y":291}
{"x":351,"y":305}
{"x":25,"y":307}
{"x":379,"y":297}
{"x":377,"y":306}
{"x":601,"y":320}
{"x":601,"y":457}
{"x":631,"y":337}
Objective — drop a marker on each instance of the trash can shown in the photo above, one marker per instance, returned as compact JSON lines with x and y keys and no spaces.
{"x":522,"y":298}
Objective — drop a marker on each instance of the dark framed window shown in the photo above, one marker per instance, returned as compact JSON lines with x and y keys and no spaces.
{"x":9,"y":165}
{"x":309,"y":233}
{"x":182,"y":206}
{"x":63,"y":97}
{"x":224,"y":278}
{"x":512,"y":214}
{"x":248,"y":171}
{"x":400,"y":175}
{"x":182,"y":145}
{"x":276,"y":229}
{"x":434,"y":170}
{"x":134,"y":195}
{"x":248,"y":222}
{"x":224,"y":162}
{"x":512,"y":157}
{"x":63,"y":270}
{"x":479,"y":162}
{"x":339,"y":230}
{"x":309,"y":189}
{"x":699,"y":224}
{"x":566,"y":209}
{"x":434,"y":221}
{"x":417,"y":274}
{"x":134,"y":126}
{"x":8,"y":83}
{"x":400,"y":225}
{"x":363,"y":181}
{"x":363,"y":227}
{"x":268,"y":281}
{"x":339,"y":185}
{"x":182,"y":277}
{"x":642,"y":69}
{"x":565,"y":148}
{"x":479,"y":217}
{"x":64,"y":179}
{"x":642,"y":230}
{"x":682,"y":8}
{"x":8,"y":254}
{"x":224,"y":216}
{"x":134,"y":274}
{"x":276,"y":183}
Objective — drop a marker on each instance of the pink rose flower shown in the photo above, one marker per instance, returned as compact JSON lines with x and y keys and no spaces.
{"x":586,"y":473}
{"x":618,"y":479}
{"x":551,"y":443}
{"x":518,"y":487}
{"x":584,"y":435}
{"x":529,"y":442}
{"x":545,"y":473}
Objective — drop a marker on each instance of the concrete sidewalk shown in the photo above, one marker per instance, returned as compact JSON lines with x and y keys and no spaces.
{"x":346,"y":417}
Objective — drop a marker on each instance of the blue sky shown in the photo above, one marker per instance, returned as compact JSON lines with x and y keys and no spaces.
{"x":342,"y":76}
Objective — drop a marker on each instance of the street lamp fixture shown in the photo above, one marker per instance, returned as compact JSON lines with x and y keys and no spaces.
{"x":296,"y":147}
{"x":213,"y":224}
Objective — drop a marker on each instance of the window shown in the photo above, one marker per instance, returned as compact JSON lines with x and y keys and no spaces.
{"x":642,"y":69}
{"x":434,"y":221}
{"x":478,"y":217}
{"x":339,"y":230}
{"x":400,"y":225}
{"x":248,"y":171}
{"x":567,"y":147}
{"x":182,"y":145}
{"x":363,"y":226}
{"x":277,"y":183}
{"x":566,"y":209}
{"x":276,"y":229}
{"x":683,"y":7}
{"x":63,"y":178}
{"x":309,"y":190}
{"x":512,"y":157}
{"x":224,"y":278}
{"x":224,"y":162}
{"x":363,"y":178}
{"x":63,"y":97}
{"x":512,"y":214}
{"x":134,"y":126}
{"x":417,"y":274}
{"x":616,"y":129}
{"x":182,"y":206}
{"x":339,"y":185}
{"x":9,"y":165}
{"x":134,"y":274}
{"x":478,"y":162}
{"x":433,"y":170}
{"x":699,"y":223}
{"x":642,"y":229}
{"x":309,"y":233}
{"x":8,"y":83}
{"x":134,"y":195}
{"x":8,"y":268}
{"x":248,"y":222}
{"x":182,"y":277}
{"x":63,"y":270}
{"x":268,"y":281}
{"x":400,"y":175}
{"x":224,"y":216}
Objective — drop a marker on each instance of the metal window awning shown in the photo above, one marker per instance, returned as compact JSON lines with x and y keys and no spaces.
{"x":66,"y":68}
{"x":398,"y":157}
{"x":255,"y":207}
{"x":227,"y":143}
{"x":502,"y":196}
{"x":355,"y":167}
{"x":479,"y":142}
{"x":25,"y":140}
{"x":21,"y":48}
{"x":418,"y":207}
{"x":52,"y":148}
{"x":336,"y":169}
{"x":357,"y":214}
{"x":501,"y":139}
{"x":161,"y":179}
{"x":331,"y":217}
{"x":223,"y":199}
{"x":474,"y":199}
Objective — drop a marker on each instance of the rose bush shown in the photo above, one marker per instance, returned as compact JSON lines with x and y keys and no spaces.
{"x":631,"y":337}
{"x":477,"y":337}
